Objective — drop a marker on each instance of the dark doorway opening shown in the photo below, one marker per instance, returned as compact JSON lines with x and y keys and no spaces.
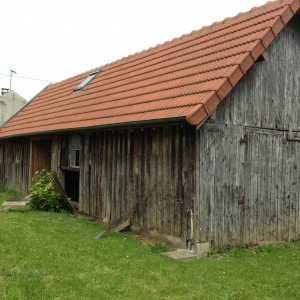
{"x":72,"y":184}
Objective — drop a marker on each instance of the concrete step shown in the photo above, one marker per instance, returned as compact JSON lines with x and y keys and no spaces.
{"x":16,"y":202}
{"x":181,"y":254}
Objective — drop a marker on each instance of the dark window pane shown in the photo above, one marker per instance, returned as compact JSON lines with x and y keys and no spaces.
{"x":86,"y":81}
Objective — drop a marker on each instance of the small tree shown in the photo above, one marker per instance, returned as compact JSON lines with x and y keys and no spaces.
{"x":43,"y":195}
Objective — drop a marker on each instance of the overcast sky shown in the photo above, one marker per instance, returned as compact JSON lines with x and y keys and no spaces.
{"x":57,"y":39}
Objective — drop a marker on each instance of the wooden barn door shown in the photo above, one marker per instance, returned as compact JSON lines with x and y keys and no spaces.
{"x":41,"y":156}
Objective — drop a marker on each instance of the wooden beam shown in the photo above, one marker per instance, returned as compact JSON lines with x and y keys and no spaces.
{"x":123,"y":225}
{"x":116,"y":222}
{"x":53,"y":178}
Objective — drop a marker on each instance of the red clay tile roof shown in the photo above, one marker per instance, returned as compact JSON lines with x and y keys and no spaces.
{"x":185,"y":78}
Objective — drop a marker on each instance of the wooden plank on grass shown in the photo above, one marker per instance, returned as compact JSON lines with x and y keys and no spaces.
{"x":53,"y":178}
{"x":122,"y":225}
{"x":116,"y":222}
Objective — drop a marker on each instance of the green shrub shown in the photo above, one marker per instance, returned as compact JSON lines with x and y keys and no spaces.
{"x":43,"y":195}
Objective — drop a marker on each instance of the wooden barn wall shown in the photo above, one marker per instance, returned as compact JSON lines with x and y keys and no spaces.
{"x":249,"y":186}
{"x":247,"y":170}
{"x":151,"y":166}
{"x":57,"y":146}
{"x":268,"y":96}
{"x":15,"y":164}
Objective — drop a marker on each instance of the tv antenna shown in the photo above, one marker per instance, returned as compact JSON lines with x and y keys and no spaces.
{"x":11,"y":75}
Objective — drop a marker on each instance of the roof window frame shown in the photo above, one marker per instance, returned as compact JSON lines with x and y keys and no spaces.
{"x":87,"y":80}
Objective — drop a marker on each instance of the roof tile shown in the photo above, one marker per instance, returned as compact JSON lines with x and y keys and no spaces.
{"x":184,"y":78}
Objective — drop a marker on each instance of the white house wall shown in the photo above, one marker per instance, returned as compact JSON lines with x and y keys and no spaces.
{"x":10,"y":103}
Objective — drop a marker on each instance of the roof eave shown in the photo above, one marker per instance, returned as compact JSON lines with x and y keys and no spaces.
{"x":134,"y":124}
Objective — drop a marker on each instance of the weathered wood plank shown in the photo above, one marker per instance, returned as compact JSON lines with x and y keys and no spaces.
{"x":123,"y":225}
{"x":117,"y":222}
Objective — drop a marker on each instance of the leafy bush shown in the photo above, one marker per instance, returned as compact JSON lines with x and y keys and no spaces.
{"x":43,"y":195}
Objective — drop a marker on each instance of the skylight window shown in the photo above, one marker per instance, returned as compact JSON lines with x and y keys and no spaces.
{"x":87,"y":80}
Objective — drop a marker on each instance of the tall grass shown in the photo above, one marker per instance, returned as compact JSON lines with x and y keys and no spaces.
{"x":55,"y":256}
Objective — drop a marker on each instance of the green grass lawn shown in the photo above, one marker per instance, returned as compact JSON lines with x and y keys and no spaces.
{"x":55,"y":256}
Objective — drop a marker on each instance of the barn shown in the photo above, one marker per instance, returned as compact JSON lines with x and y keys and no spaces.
{"x":207,"y":122}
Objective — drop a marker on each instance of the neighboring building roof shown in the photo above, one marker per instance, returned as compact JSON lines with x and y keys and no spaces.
{"x":185,"y":78}
{"x":6,"y":96}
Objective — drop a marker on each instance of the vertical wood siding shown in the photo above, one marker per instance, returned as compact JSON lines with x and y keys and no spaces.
{"x":41,"y":157}
{"x":268,"y":96}
{"x":15,"y":163}
{"x":249,"y":186}
{"x":151,"y":166}
{"x":57,"y":146}
{"x":247,"y":173}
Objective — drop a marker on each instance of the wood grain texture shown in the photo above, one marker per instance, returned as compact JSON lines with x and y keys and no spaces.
{"x":15,"y":161}
{"x":151,"y":166}
{"x":247,"y":175}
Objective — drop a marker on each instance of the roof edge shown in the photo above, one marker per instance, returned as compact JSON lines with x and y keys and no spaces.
{"x":293,"y":6}
{"x":204,"y":109}
{"x":26,"y":103}
{"x":165,"y":121}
